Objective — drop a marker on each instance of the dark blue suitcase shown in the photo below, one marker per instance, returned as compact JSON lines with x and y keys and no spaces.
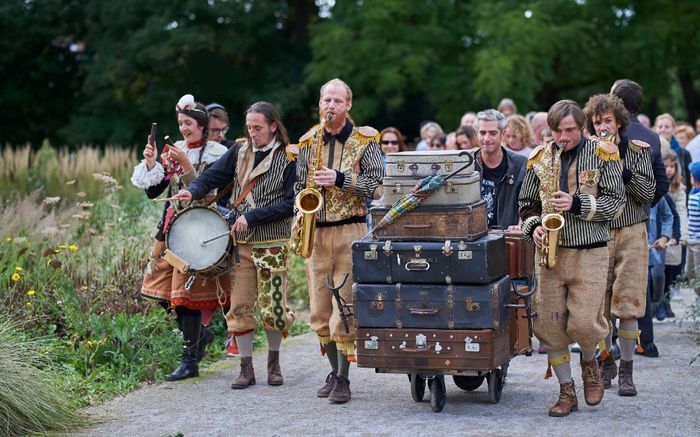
{"x":432,"y":306}
{"x":445,"y":262}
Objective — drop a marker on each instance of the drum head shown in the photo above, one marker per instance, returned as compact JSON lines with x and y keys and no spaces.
{"x":190,"y":229}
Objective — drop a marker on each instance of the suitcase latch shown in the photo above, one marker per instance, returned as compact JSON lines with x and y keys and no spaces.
{"x":417,"y":248}
{"x":371,"y":254}
{"x":447,"y":248}
{"x":470,"y":346}
{"x":464,"y":254}
{"x":387,"y":248}
{"x":378,"y":304}
{"x":471,"y":305}
{"x":397,"y":189}
{"x":421,"y":342}
{"x":372,"y":343}
{"x":449,"y":188}
{"x":400,"y":165}
{"x":448,"y":165}
{"x":462,"y":246}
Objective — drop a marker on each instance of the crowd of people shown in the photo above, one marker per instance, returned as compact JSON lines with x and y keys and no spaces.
{"x":627,"y":197}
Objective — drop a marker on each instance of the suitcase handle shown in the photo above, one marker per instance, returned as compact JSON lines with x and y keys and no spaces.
{"x":417,"y":349}
{"x":425,"y":226}
{"x":417,"y":265}
{"x":424,"y":311}
{"x":414,"y":170}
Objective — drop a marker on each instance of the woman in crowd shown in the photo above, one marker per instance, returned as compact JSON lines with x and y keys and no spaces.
{"x":391,"y":141}
{"x":438,"y":142}
{"x":664,"y":125}
{"x":518,"y":135}
{"x":179,"y":165}
{"x":428,"y":131}
{"x":684,"y":133}
{"x":674,"y":253}
{"x":507,"y":107}
{"x":465,"y":138}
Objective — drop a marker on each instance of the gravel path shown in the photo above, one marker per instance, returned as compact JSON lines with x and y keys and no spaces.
{"x":381,"y":404}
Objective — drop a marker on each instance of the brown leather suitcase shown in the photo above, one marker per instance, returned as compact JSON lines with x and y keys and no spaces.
{"x":435,"y":223}
{"x":520,"y":341}
{"x":440,"y":350}
{"x":520,"y":254}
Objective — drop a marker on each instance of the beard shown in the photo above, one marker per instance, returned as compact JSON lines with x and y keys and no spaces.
{"x":335,"y":123}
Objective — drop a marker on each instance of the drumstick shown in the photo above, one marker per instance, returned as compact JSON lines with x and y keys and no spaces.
{"x":204,"y":243}
{"x":165,"y":199}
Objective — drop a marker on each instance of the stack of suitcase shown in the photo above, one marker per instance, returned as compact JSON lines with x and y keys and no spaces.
{"x":431,"y":291}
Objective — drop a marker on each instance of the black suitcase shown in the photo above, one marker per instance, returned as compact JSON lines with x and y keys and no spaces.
{"x":447,"y":262}
{"x":432,"y":306}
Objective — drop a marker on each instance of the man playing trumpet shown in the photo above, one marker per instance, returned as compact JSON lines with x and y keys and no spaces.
{"x":627,"y":270}
{"x":581,"y":180}
{"x":349,"y":170}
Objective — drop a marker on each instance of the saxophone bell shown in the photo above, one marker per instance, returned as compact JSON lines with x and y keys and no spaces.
{"x":552,"y":224}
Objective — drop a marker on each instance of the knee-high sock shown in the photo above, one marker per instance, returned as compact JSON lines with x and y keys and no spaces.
{"x":207,"y":315}
{"x":627,"y":344}
{"x":332,"y":355}
{"x":274,"y":340}
{"x":608,"y":338}
{"x":245,"y":344}
{"x":587,"y":355}
{"x":563,"y":370}
{"x":343,"y":365}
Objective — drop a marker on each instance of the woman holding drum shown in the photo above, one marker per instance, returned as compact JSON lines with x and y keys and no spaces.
{"x":195,"y":299}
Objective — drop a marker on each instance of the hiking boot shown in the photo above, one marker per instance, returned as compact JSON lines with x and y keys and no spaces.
{"x":341,"y":390}
{"x":274,"y":373}
{"x":625,"y":383}
{"x":326,"y":390}
{"x":592,"y":384}
{"x":190,"y":326}
{"x":567,"y":401}
{"x":247,"y":376}
{"x":608,"y":371}
{"x":615,"y":351}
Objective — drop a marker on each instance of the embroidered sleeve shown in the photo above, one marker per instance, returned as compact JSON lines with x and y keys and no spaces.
{"x":529,"y":203}
{"x":144,"y":178}
{"x":611,"y":192}
{"x":371,"y":172}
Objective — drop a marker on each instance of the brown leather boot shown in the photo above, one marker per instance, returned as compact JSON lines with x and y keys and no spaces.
{"x":567,"y":401}
{"x":625,"y":383}
{"x":341,"y":391}
{"x":324,"y":391}
{"x":274,"y":373}
{"x":592,"y":384}
{"x":609,"y":371}
{"x":247,"y":376}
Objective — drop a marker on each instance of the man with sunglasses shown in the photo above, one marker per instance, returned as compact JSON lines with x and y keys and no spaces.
{"x":502,"y":171}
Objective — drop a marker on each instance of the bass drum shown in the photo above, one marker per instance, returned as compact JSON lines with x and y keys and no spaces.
{"x":186,"y":238}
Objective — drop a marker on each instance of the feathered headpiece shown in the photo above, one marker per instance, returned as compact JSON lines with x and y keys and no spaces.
{"x":187,"y":103}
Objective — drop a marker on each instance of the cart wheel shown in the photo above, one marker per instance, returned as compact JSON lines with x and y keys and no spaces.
{"x":495,"y":386}
{"x":468,"y":383}
{"x":417,"y":387}
{"x":437,"y":393}
{"x":504,"y":372}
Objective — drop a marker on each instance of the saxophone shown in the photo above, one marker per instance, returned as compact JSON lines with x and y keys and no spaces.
{"x":309,"y":200}
{"x":552,"y":221}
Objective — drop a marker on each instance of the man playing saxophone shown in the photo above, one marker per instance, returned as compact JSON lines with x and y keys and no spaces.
{"x":580,"y":179}
{"x":346,"y":170}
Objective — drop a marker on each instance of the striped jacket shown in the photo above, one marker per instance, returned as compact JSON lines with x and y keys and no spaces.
{"x":594,"y":180}
{"x":638,"y":177}
{"x":360,"y":171}
{"x":694,"y":217}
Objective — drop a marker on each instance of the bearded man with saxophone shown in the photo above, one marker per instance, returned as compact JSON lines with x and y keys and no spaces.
{"x":625,"y":296}
{"x":339,"y":166}
{"x":573,"y":186}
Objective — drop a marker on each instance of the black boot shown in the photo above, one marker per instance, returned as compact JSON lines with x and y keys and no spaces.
{"x":191,"y":324}
{"x":206,"y":336}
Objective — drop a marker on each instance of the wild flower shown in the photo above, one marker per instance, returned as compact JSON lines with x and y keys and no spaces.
{"x":86,"y":205}
{"x":31,"y":292}
{"x":19,"y":269}
{"x":71,"y":182}
{"x":63,"y":246}
{"x":8,"y":239}
{"x":105,"y":178}
{"x":16,"y":277}
{"x":81,"y":194}
{"x":73,"y":247}
{"x":52,"y":200}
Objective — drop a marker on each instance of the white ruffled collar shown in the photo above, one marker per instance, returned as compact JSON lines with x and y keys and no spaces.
{"x":212,"y":152}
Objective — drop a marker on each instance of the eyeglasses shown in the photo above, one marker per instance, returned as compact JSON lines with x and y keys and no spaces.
{"x":219,"y":130}
{"x":392,"y":142}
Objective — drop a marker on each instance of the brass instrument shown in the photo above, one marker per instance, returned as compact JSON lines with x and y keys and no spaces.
{"x":309,"y":200}
{"x":552,"y":221}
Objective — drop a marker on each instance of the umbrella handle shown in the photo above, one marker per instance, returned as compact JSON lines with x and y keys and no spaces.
{"x":471,"y":161}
